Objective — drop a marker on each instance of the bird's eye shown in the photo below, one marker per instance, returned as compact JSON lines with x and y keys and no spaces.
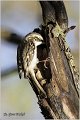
{"x":35,"y":38}
{"x":31,"y":43}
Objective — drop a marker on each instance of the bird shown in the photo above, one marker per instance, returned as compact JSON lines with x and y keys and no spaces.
{"x":27,"y":57}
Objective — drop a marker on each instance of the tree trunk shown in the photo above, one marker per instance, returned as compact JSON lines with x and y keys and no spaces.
{"x":60,"y":75}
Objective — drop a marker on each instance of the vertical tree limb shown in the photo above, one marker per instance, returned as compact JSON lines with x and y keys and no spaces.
{"x":62,"y":99}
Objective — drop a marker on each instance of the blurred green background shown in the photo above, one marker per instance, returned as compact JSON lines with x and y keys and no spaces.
{"x":21,"y":17}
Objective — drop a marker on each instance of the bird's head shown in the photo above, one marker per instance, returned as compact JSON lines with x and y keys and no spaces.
{"x":34,"y":37}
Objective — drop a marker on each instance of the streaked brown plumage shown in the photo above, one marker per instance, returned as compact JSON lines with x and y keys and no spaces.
{"x":27,"y":57}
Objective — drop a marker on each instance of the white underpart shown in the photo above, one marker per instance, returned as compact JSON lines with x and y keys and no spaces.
{"x":31,"y":70}
{"x":37,"y":43}
{"x":34,"y":60}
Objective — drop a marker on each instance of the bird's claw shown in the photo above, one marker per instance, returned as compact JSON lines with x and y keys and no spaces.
{"x":47,"y":59}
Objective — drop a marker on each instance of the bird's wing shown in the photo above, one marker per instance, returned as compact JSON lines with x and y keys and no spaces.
{"x":25,"y":53}
{"x":19,"y":60}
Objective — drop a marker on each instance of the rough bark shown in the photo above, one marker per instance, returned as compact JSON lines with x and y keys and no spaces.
{"x":62,"y":98}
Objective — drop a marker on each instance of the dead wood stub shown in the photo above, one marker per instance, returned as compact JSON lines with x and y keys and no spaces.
{"x":62,"y":100}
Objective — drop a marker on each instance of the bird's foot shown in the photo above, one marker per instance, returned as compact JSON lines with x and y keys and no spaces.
{"x":47,"y":59}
